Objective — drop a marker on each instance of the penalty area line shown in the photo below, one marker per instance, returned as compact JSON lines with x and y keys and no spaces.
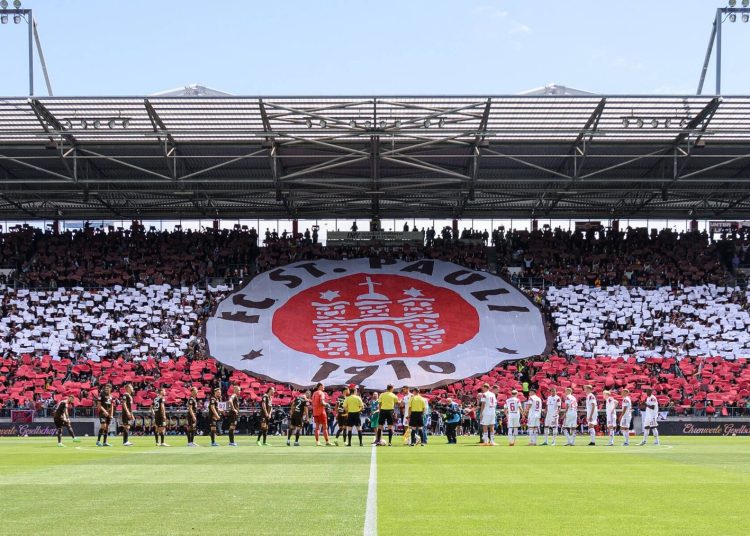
{"x":371,"y":510}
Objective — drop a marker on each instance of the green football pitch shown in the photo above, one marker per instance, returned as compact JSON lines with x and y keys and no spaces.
{"x":685,"y":486}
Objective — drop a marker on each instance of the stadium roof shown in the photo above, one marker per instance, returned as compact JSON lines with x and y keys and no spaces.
{"x":566,"y":156}
{"x":192,"y":90}
{"x":555,"y":89}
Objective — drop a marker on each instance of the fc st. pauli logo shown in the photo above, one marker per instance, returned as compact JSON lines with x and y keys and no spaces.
{"x":363,"y":321}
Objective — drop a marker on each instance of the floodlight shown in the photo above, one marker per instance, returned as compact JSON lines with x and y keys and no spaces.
{"x":4,"y":4}
{"x":4,"y":19}
{"x":352,"y":124}
{"x":125,"y":123}
{"x":322,"y":123}
{"x":441,"y":123}
{"x":308,"y":123}
{"x":111,"y":123}
{"x":97,"y":123}
{"x":639,"y":123}
{"x":625,"y":122}
{"x":745,"y":17}
{"x":427,"y":123}
{"x":397,"y":124}
{"x":382,"y":124}
{"x":368,"y":124}
{"x":732,"y":3}
{"x":17,"y":19}
{"x":732,"y":18}
{"x":745,"y":3}
{"x":654,"y":123}
{"x":17,"y":4}
{"x":667,"y":123}
{"x":84,"y":124}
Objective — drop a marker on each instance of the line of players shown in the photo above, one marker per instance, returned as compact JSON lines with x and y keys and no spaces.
{"x":216,"y":412}
{"x":532,"y":411}
{"x":413,"y":406}
{"x":348,"y":411}
{"x":106,"y":410}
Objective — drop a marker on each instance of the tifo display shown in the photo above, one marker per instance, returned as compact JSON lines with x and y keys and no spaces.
{"x":238,"y":353}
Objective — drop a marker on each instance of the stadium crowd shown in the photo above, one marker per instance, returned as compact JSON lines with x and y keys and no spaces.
{"x":634,"y":257}
{"x":142,"y":324}
{"x":282,"y":252}
{"x":673,"y":322}
{"x":155,"y":320}
{"x":95,"y":257}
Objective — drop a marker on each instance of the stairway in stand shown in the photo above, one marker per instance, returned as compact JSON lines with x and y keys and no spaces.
{"x":491,"y":254}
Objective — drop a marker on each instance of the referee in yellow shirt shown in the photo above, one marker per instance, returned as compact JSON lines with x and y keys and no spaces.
{"x":353,"y":407}
{"x":417,"y":406}
{"x":386,"y":403}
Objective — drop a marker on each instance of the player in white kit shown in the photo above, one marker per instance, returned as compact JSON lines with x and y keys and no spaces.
{"x":626,"y":416}
{"x":610,"y":409}
{"x":552,"y":417}
{"x":571,"y":417}
{"x":533,"y":417}
{"x":513,"y":412}
{"x":487,"y":415}
{"x":592,"y":413}
{"x":650,"y":417}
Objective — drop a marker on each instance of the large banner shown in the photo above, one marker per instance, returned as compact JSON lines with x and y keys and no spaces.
{"x":22,"y":416}
{"x":7,"y":429}
{"x":717,"y":427}
{"x":366,"y":322}
{"x":723,"y":226}
{"x":588,"y":225}
{"x":366,"y":237}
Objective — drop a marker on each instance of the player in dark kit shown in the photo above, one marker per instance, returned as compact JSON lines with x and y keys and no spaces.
{"x":266,"y":414}
{"x":233,"y":413}
{"x":341,"y":416}
{"x":126,"y":414}
{"x":214,"y":415}
{"x":192,"y":417}
{"x":105,"y":415}
{"x":298,"y":417}
{"x":159,"y":411}
{"x":62,"y":420}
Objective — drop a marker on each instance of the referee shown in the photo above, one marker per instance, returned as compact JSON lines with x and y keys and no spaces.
{"x":353,"y":406}
{"x":386,"y":404}
{"x":417,"y":406}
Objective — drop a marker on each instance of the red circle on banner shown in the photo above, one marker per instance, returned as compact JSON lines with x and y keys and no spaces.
{"x":370,"y":317}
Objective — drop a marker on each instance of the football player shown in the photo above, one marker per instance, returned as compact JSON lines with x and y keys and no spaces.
{"x":62,"y":420}
{"x":105,"y":415}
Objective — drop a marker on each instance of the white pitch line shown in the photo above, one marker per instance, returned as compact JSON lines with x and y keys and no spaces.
{"x":371,"y":511}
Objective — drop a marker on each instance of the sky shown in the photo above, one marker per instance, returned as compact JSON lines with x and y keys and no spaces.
{"x":375,"y":47}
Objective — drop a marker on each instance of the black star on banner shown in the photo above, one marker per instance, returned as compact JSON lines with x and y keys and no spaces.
{"x":253,"y":354}
{"x":505,"y":350}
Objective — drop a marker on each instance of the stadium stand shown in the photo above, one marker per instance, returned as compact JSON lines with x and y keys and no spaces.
{"x":127,"y":306}
{"x":155,"y":320}
{"x":688,"y":321}
{"x":97,"y":258}
{"x":631,"y":257}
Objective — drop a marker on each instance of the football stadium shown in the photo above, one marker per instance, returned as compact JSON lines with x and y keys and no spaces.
{"x":374,"y":284}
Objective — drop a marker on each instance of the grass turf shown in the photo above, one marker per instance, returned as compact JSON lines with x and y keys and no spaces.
{"x":687,"y":486}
